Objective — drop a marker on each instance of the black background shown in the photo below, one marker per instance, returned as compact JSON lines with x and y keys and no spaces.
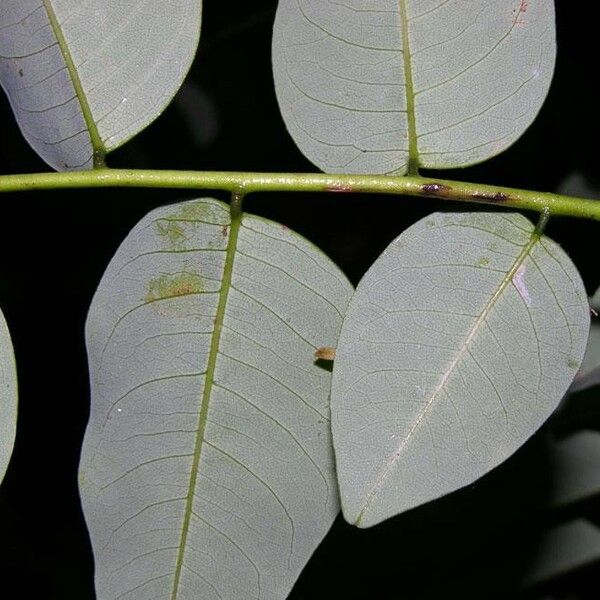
{"x":54,"y":247}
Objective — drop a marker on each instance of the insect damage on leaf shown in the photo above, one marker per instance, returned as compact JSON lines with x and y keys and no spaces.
{"x":325,"y":353}
{"x":172,"y":286}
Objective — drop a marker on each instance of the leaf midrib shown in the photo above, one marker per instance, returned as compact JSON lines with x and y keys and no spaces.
{"x":98,"y":147}
{"x":387,"y":469}
{"x":215,"y":342}
{"x":413,"y":151}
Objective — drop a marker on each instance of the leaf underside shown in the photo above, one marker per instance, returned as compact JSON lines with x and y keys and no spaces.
{"x":458,"y":343}
{"x":8,"y":397}
{"x":387,"y":86}
{"x":207,"y":467}
{"x":84,"y":77}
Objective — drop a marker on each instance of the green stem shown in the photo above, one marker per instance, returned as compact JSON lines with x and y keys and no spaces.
{"x":458,"y":191}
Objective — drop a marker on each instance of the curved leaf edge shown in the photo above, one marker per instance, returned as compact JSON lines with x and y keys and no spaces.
{"x":8,"y":397}
{"x":233,"y":230}
{"x":536,"y":237}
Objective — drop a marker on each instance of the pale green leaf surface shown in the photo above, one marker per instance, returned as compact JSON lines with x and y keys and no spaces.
{"x":83,"y":77}
{"x":8,"y":397}
{"x":575,"y":463}
{"x":459,"y":342}
{"x":207,"y":467}
{"x":564,"y":548}
{"x":371,"y":86}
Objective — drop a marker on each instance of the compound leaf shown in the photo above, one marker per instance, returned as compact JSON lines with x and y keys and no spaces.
{"x":386,"y":86}
{"x":459,"y":342}
{"x":8,"y":397}
{"x":207,"y":468}
{"x":84,"y":77}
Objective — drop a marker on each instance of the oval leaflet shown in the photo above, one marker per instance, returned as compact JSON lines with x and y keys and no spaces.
{"x":459,"y":342}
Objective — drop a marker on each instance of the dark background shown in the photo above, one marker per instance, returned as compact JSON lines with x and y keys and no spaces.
{"x":54,"y":247}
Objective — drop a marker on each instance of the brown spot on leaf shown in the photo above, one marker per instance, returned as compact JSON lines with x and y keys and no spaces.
{"x":172,"y":286}
{"x":325,"y":353}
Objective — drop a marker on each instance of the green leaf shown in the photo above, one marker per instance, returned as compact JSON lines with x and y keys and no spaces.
{"x":207,"y":468}
{"x":84,"y":77}
{"x":459,"y":342}
{"x":576,"y":468}
{"x":387,"y":86}
{"x":565,"y":548}
{"x":8,"y":397}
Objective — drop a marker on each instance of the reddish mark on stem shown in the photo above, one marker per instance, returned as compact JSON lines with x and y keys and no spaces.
{"x":435,"y":189}
{"x":344,"y":188}
{"x":490,"y":196}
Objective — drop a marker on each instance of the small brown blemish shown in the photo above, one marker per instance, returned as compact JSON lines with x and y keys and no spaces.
{"x":490,"y":196}
{"x":325,"y":353}
{"x":225,"y":230}
{"x":20,"y":72}
{"x":172,"y":286}
{"x":338,"y":188}
{"x":435,"y":189}
{"x":518,"y":13}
